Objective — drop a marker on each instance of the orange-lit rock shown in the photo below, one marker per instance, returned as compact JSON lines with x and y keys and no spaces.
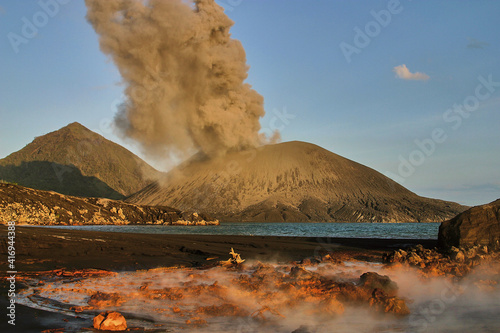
{"x":110,"y":321}
{"x":101,"y":300}
{"x":382,"y":302}
{"x":196,"y":321}
{"x":373,"y":281}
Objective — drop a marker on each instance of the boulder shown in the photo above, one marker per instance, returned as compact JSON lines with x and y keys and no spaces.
{"x":372,"y":280}
{"x":477,"y":226}
{"x":110,"y":321}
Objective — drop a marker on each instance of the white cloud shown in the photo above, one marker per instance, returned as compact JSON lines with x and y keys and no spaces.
{"x":404,"y":73}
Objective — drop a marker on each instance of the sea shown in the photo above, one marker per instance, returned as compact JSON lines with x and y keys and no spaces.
{"x":340,"y":230}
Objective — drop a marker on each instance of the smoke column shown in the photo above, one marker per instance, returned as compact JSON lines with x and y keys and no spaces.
{"x":184,"y":76}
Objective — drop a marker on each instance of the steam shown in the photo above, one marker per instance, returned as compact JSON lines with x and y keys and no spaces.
{"x":438,"y":304}
{"x":184,"y":76}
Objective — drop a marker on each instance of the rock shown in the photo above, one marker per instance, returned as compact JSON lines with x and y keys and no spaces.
{"x":477,"y":226}
{"x":101,"y":300}
{"x":36,"y":207}
{"x":310,"y":261}
{"x":300,"y":273}
{"x":457,"y":254}
{"x":395,"y":256}
{"x":471,"y":253}
{"x":414,"y":259}
{"x":382,"y":302}
{"x":110,"y":321}
{"x":372,"y":280}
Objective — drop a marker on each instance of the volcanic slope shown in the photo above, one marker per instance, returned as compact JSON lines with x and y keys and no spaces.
{"x":76,"y":161}
{"x":291,"y":181}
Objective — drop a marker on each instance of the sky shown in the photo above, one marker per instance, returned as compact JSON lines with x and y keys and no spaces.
{"x":408,"y":88}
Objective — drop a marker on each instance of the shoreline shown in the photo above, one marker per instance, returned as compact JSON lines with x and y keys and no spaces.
{"x":41,"y":248}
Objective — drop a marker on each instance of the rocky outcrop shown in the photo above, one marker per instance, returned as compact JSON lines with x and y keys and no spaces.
{"x":28,"y":206}
{"x":453,"y":262}
{"x":477,"y":226}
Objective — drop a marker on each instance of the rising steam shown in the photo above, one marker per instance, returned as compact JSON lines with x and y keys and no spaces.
{"x":184,"y":75}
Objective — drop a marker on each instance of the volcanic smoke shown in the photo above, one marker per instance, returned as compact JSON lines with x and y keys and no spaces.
{"x":184,"y":76}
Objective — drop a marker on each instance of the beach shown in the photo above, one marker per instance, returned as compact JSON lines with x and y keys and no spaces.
{"x":40,"y":249}
{"x":46,"y":249}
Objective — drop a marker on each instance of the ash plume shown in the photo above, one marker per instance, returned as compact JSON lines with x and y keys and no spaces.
{"x":184,"y":76}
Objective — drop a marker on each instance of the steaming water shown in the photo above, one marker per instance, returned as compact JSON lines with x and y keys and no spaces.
{"x":344,"y":230}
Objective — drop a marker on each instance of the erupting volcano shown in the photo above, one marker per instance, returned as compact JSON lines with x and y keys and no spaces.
{"x":293,"y":182}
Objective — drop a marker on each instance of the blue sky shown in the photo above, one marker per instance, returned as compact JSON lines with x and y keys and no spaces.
{"x":408,"y":127}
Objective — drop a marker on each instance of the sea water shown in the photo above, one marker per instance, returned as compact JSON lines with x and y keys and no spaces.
{"x":341,"y":230}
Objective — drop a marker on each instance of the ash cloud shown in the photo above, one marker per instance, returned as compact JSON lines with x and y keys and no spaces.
{"x":184,"y":76}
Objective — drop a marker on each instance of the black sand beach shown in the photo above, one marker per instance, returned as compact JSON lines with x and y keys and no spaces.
{"x":39,"y":249}
{"x":44,"y":249}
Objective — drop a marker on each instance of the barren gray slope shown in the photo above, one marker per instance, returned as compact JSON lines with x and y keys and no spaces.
{"x":291,"y":181}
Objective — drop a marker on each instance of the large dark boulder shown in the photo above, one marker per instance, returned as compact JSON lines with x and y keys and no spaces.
{"x":479,"y":225}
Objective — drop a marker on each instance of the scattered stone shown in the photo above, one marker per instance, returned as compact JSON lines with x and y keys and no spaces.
{"x":196,"y":322}
{"x":433,"y":262}
{"x":101,"y":300}
{"x":110,"y":321}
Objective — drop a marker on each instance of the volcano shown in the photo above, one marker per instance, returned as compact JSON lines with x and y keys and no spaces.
{"x":76,"y":161}
{"x":290,"y":182}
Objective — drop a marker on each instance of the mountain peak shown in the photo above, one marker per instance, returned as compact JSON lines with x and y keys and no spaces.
{"x":76,"y":126}
{"x":76,"y":161}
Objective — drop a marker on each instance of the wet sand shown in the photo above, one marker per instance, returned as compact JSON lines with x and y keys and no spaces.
{"x":42,"y":249}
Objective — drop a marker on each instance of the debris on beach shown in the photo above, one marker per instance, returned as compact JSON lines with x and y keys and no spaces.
{"x":235,"y":260}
